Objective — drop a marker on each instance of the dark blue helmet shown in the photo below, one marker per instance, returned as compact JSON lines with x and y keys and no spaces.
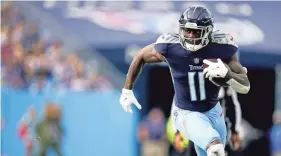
{"x":196,"y":26}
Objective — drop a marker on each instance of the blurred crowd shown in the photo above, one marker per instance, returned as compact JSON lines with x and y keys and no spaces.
{"x":31,"y":61}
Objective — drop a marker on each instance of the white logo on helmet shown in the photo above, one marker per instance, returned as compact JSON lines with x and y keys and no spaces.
{"x":188,"y":24}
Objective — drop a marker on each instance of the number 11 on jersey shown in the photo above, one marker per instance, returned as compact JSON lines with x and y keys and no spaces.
{"x":192,"y":87}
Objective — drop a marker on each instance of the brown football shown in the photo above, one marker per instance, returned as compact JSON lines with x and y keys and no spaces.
{"x":220,"y":81}
{"x":212,"y":60}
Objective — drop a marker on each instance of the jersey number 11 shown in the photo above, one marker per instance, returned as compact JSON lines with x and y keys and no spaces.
{"x":192,"y":87}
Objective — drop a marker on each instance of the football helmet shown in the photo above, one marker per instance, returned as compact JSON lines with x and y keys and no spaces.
{"x":196,"y":26}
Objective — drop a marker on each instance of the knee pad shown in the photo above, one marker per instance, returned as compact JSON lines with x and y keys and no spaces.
{"x":216,"y":150}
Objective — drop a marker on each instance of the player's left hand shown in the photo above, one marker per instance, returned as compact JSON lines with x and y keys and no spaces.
{"x":215,"y":69}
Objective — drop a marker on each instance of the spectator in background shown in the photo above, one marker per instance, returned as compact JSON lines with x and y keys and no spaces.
{"x":13,"y":72}
{"x":30,"y":35}
{"x":50,"y":130}
{"x":18,"y":32}
{"x":180,"y":145}
{"x":97,"y":82}
{"x":54,"y":52}
{"x":26,"y":130}
{"x":78,"y":83}
{"x":15,"y":17}
{"x":151,"y":134}
{"x":41,"y":83}
{"x":6,"y":46}
{"x":63,"y":73}
{"x":4,"y":33}
{"x":53,"y":57}
{"x":5,"y":11}
{"x":37,"y":59}
{"x":275,"y":134}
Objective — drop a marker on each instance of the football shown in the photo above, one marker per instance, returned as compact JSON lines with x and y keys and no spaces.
{"x":220,"y":81}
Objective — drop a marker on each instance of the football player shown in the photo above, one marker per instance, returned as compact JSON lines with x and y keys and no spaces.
{"x":196,"y":96}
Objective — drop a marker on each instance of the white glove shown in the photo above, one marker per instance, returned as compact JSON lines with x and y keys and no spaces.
{"x":216,"y":150}
{"x":215,"y":69}
{"x":127,"y":98}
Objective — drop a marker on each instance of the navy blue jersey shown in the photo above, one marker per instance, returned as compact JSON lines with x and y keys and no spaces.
{"x":192,"y":91}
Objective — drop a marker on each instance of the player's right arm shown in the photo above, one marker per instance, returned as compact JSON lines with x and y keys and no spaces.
{"x":146,"y":55}
{"x":152,"y":53}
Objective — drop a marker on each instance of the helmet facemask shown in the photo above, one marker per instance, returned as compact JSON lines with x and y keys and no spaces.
{"x":193,"y":37}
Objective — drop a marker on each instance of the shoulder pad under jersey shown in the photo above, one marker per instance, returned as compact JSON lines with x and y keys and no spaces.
{"x":222,"y":38}
{"x":168,"y":38}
